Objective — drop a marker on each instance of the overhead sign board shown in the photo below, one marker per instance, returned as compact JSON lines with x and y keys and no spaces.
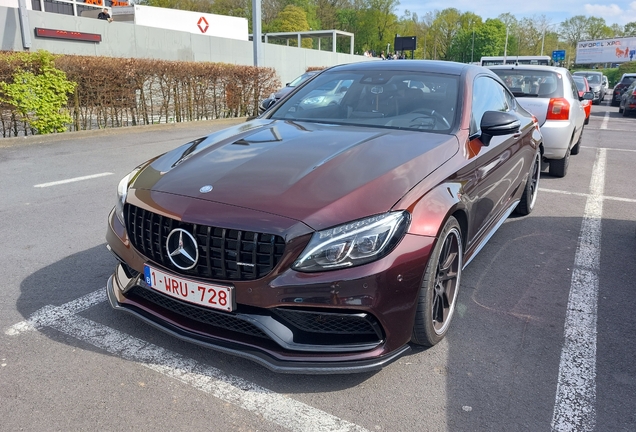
{"x":616,"y":50}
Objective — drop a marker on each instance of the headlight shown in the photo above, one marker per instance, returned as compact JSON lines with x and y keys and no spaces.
{"x":354,"y":243}
{"x":122,"y":191}
{"x":314,"y":100}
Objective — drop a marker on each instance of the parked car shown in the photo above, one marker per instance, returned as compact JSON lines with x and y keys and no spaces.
{"x":605,"y":84}
{"x":328,"y":94}
{"x":552,"y":96}
{"x":583,"y":87}
{"x":327,"y":239}
{"x":622,"y":85}
{"x":628,"y":100}
{"x":275,"y":97}
{"x":595,"y":79}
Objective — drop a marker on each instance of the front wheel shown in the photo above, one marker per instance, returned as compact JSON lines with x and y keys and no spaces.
{"x":439,"y":288}
{"x":531,"y":190}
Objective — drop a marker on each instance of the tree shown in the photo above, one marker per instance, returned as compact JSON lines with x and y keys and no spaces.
{"x":597,"y":29}
{"x":445,"y":28}
{"x":291,"y":19}
{"x":574,"y":29}
{"x":630,"y":29}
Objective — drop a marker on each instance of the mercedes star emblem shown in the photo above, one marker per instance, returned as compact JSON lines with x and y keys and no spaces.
{"x":182,"y":249}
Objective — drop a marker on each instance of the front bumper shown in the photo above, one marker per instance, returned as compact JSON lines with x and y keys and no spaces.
{"x":382,"y":293}
{"x":241,"y":350}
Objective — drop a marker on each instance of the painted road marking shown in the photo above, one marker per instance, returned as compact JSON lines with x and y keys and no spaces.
{"x":277,"y":408}
{"x":605,"y":120}
{"x":49,"y":314}
{"x":575,"y":402}
{"x":586,"y":195}
{"x":72,"y":180}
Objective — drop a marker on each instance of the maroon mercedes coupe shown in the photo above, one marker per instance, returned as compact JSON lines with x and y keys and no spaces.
{"x":327,"y":236}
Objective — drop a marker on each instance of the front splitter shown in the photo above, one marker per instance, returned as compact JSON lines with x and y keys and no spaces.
{"x":264,"y":359}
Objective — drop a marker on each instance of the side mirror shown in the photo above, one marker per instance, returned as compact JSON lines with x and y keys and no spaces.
{"x":588,"y":96}
{"x":497,"y":123}
{"x":266,"y":104}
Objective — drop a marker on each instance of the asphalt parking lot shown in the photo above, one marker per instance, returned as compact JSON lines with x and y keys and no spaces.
{"x":543,"y":337}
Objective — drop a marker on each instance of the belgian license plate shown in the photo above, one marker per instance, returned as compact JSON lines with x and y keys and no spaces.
{"x":202,"y":294}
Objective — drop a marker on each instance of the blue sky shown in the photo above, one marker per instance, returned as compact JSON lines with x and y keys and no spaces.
{"x":613,"y":11}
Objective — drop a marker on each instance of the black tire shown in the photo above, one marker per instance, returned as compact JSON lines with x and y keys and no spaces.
{"x":575,"y":150}
{"x":620,"y":109}
{"x":530,"y":191}
{"x":440,"y":284}
{"x":626,"y":112}
{"x":559,"y":167}
{"x":614,"y":103}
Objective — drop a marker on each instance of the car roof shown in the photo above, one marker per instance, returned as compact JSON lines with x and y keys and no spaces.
{"x":433,"y":66}
{"x":529,"y":67}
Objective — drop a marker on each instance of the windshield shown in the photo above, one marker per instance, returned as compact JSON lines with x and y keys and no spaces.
{"x":591,"y":78}
{"x":386,"y":99}
{"x":532,"y":83}
{"x":300,"y":79}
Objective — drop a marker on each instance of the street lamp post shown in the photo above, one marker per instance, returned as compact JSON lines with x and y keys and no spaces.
{"x":472,"y":50}
{"x":506,"y":46}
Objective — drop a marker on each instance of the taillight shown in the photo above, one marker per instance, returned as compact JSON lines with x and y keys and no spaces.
{"x":558,"y":109}
{"x":634,"y":92}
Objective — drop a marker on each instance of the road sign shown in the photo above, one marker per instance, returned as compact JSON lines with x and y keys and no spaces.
{"x":558,"y":55}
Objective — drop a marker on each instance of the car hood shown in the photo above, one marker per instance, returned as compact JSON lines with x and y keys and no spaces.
{"x":318,"y":174}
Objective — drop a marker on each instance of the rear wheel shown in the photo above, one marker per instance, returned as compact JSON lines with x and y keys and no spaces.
{"x":559,"y":167}
{"x":626,"y":112}
{"x":439,"y":288}
{"x":529,"y":196}
{"x":620,"y":109}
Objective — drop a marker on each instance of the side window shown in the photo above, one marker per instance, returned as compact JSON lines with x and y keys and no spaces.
{"x":575,"y":91}
{"x":488,"y":95}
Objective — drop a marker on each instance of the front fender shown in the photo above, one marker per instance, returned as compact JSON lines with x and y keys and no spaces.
{"x":431,"y":211}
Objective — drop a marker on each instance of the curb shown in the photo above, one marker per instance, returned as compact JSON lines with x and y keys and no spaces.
{"x":66,"y":136}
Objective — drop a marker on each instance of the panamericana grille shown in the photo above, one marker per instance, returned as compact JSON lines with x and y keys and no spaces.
{"x":206,"y":316}
{"x":224,"y":254}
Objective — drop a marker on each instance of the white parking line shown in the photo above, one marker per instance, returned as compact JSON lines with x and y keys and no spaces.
{"x":605,"y":120}
{"x":604,"y":197}
{"x":575,"y":403}
{"x":72,"y":180}
{"x":277,"y":408}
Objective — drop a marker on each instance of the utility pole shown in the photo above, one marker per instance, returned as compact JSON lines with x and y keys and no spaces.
{"x":506,"y":46}
{"x":256,"y":32}
{"x":472,"y":50}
